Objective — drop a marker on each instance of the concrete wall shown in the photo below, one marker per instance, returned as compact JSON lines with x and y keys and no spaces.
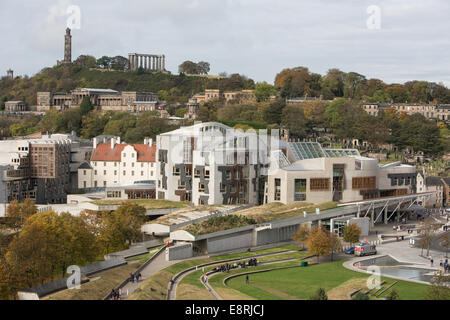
{"x":180,"y":251}
{"x":230,"y":242}
{"x":276,"y":235}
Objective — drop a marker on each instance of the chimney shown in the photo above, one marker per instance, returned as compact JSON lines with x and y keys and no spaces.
{"x":150,"y":142}
{"x":118,"y":140}
{"x":113,"y":142}
{"x":95,"y":142}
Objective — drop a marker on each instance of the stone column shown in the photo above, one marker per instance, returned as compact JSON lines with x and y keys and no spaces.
{"x":145,"y":63}
{"x":163,"y":62}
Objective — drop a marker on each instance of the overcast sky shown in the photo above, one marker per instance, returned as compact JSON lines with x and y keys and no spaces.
{"x":257,"y":38}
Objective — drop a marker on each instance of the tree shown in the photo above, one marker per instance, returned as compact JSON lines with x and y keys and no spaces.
{"x":360,"y":296}
{"x":272,"y":114}
{"x":333,"y":84}
{"x":18,"y":213}
{"x":86,"y":61}
{"x":301,"y":235}
{"x":263,"y":91}
{"x":439,"y":289}
{"x":318,"y":242}
{"x":351,"y":233}
{"x":105,"y":62}
{"x":320,"y":294}
{"x":120,"y":63}
{"x":293,"y":118}
{"x":334,"y":243}
{"x":393,"y":295}
{"x":86,"y":106}
{"x":203,"y":67}
{"x":427,"y":233}
{"x":93,"y":124}
{"x":188,"y":67}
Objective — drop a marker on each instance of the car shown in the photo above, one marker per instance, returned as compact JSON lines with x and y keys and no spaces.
{"x":350,"y":251}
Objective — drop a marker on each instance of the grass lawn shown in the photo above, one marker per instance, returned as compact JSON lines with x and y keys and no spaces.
{"x":301,"y":283}
{"x":159,"y":281}
{"x":146,"y":203}
{"x":98,"y":289}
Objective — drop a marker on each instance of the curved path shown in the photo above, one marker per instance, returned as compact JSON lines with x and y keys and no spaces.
{"x":178,"y":277}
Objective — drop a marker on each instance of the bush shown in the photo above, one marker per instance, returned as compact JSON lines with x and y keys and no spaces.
{"x":319,"y":295}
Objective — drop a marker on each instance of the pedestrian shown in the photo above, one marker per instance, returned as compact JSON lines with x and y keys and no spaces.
{"x":112,"y":294}
{"x":131,"y":277}
{"x":246,"y":280}
{"x":140,"y":276}
{"x":431,"y":261}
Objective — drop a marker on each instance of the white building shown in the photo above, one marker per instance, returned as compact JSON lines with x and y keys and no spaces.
{"x":116,"y":164}
{"x":209,"y":163}
{"x":303,"y":171}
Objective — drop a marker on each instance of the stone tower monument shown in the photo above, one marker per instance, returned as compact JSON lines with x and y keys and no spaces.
{"x":67,"y":47}
{"x":10,"y":74}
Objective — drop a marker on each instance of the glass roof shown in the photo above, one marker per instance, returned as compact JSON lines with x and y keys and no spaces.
{"x":306,"y":150}
{"x":337,"y":153}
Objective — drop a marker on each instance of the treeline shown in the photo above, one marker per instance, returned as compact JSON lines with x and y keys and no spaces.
{"x":344,"y":118}
{"x":47,"y":243}
{"x":300,"y":82}
{"x":80,"y":74}
{"x":130,"y":127}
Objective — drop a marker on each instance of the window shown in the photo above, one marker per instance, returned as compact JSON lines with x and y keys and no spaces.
{"x":299,"y":189}
{"x":124,"y":155}
{"x":176,"y":171}
{"x":95,"y":172}
{"x":124,"y":172}
{"x":277,"y":195}
{"x":222,"y":187}
{"x":104,"y":183}
{"x":84,"y":184}
{"x":319,"y":184}
{"x":132,"y":173}
{"x":142,"y":173}
{"x":357,"y":165}
{"x":206,"y":174}
{"x":84,"y":172}
{"x":104,"y":164}
{"x":104,"y":172}
{"x":115,"y":172}
{"x":132,"y":164}
{"x":364,"y":182}
{"x":201,"y":187}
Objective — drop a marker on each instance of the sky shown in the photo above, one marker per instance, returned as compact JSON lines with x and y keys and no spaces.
{"x":392,"y":40}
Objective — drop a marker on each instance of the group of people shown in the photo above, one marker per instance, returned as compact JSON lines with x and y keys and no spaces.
{"x":227,"y":267}
{"x":445,"y":265}
{"x":115,"y":294}
{"x":137,"y":277}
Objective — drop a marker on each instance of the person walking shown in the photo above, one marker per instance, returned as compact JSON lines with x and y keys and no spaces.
{"x":431,"y":260}
{"x":246,"y":280}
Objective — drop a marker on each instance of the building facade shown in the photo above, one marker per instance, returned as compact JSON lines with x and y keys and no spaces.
{"x":303,"y":171}
{"x":15,"y":106}
{"x":116,"y":164}
{"x":430,"y":111}
{"x":208,"y":163}
{"x":214,"y":94}
{"x":101,"y":99}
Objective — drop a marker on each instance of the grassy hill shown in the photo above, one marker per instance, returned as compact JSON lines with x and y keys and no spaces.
{"x":63,"y":79}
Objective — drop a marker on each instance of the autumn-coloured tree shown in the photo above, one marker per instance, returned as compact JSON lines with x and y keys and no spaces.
{"x":318,"y":242}
{"x":301,"y":235}
{"x":19,"y":212}
{"x":334,"y":243}
{"x":351,"y":233}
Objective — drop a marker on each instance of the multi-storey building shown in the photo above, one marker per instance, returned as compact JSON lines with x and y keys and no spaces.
{"x":208,"y":163}
{"x":114,"y":164}
{"x":437,"y":185}
{"x":38,"y":169}
{"x":431,"y":111}
{"x":102,"y":99}
{"x":213,"y":94}
{"x":304,"y":171}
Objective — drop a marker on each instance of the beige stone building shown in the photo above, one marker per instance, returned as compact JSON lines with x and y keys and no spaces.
{"x":15,"y":106}
{"x":303,"y":171}
{"x":214,"y":94}
{"x":430,"y":111}
{"x":102,"y":99}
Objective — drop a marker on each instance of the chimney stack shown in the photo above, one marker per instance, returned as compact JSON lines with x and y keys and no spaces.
{"x":118,"y":140}
{"x":113,"y":142}
{"x":95,"y":142}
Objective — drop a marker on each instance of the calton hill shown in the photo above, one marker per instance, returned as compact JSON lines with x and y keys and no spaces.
{"x":334,"y":117}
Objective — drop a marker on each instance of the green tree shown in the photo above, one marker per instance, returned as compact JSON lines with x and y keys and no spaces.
{"x":273,"y":112}
{"x":293,"y":118}
{"x":86,"y":106}
{"x":320,"y":294}
{"x":263,"y":91}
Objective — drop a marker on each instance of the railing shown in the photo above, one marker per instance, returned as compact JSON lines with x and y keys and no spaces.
{"x":139,"y":270}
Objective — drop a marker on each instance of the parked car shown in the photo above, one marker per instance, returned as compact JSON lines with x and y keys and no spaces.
{"x":350,"y":251}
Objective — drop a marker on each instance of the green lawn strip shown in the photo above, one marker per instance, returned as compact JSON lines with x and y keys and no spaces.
{"x":406,"y":290}
{"x":303,"y":282}
{"x":159,"y":281}
{"x":144,"y":257}
{"x":216,"y":281}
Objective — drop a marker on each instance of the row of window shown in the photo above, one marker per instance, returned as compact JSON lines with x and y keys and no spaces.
{"x":115,"y":173}
{"x":123,"y":164}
